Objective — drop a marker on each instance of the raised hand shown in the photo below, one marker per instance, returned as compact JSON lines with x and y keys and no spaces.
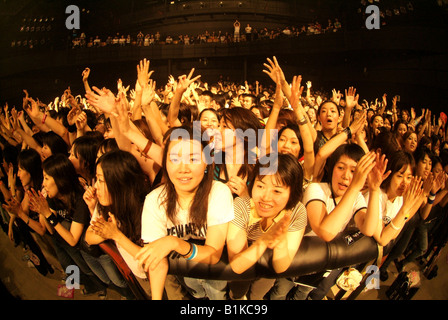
{"x":143,"y":73}
{"x":272,"y":68}
{"x":81,"y":121}
{"x":351,"y":98}
{"x":149,"y":92}
{"x":122,"y":114}
{"x":378,"y":173}
{"x":184,"y":81}
{"x":363,"y":169}
{"x":85,"y":74}
{"x":103,"y":99}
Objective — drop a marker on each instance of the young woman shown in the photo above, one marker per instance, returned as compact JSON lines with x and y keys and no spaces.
{"x":116,"y":202}
{"x":410,"y":141}
{"x":30,"y":175}
{"x":209,"y":119}
{"x":271,"y":218}
{"x":83,"y":156}
{"x":399,"y":193}
{"x":66,"y":215}
{"x":430,"y":186}
{"x":236,"y":150}
{"x":337,"y":204}
{"x":180,"y":211}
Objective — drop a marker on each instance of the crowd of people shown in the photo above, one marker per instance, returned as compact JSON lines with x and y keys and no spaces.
{"x":245,"y":33}
{"x":128,"y":166}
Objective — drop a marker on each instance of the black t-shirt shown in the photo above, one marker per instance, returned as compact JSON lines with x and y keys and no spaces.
{"x":80,"y":212}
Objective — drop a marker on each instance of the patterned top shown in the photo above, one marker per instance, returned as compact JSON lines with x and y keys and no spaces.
{"x":247,"y":219}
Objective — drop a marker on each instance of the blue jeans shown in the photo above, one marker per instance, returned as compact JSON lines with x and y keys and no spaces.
{"x":106,"y":270}
{"x":68,"y":255}
{"x":202,"y":288}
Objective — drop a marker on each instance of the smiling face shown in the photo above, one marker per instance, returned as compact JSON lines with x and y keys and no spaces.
{"x":185,"y":166}
{"x":289,"y":143}
{"x":270,"y":196}
{"x":329,"y":116}
{"x":342,"y":175}
{"x":209,"y":120}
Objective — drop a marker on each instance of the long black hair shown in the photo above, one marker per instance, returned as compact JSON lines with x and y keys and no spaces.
{"x":199,"y":206}
{"x":30,"y":161}
{"x":128,"y":186}
{"x":61,"y":169}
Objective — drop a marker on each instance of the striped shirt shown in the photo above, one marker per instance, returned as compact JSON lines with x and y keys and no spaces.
{"x":246,"y":219}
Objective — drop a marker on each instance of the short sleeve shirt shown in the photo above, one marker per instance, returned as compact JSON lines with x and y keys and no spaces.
{"x":155,"y":223}
{"x":322,"y":192}
{"x":246,"y":218}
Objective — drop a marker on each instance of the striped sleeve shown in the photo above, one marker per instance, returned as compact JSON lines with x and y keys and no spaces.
{"x":298,"y":218}
{"x":241,"y":208}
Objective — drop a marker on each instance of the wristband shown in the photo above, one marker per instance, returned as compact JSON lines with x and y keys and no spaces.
{"x":189,"y":251}
{"x":72,"y":128}
{"x":303,"y":121}
{"x":144,"y":153}
{"x":53,"y":220}
{"x":44,"y":118}
{"x":193,"y":253}
{"x":393,"y":226}
{"x":348,"y":131}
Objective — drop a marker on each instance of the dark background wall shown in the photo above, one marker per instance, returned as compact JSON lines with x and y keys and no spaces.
{"x":406,"y":57}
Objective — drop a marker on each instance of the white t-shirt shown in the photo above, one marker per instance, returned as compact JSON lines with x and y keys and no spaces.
{"x":155,"y":223}
{"x":388,"y":209}
{"x":127,"y":257}
{"x":322,"y":192}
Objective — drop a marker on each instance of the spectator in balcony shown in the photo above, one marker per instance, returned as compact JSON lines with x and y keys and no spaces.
{"x":140,"y":37}
{"x":248,"y":30}
{"x":146,"y":41}
{"x":337,"y":25}
{"x":236,"y":31}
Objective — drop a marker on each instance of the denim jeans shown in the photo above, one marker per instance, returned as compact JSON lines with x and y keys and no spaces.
{"x":402,"y":241}
{"x":68,"y":255}
{"x":106,"y":270}
{"x":204,"y":288}
{"x":421,"y":237}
